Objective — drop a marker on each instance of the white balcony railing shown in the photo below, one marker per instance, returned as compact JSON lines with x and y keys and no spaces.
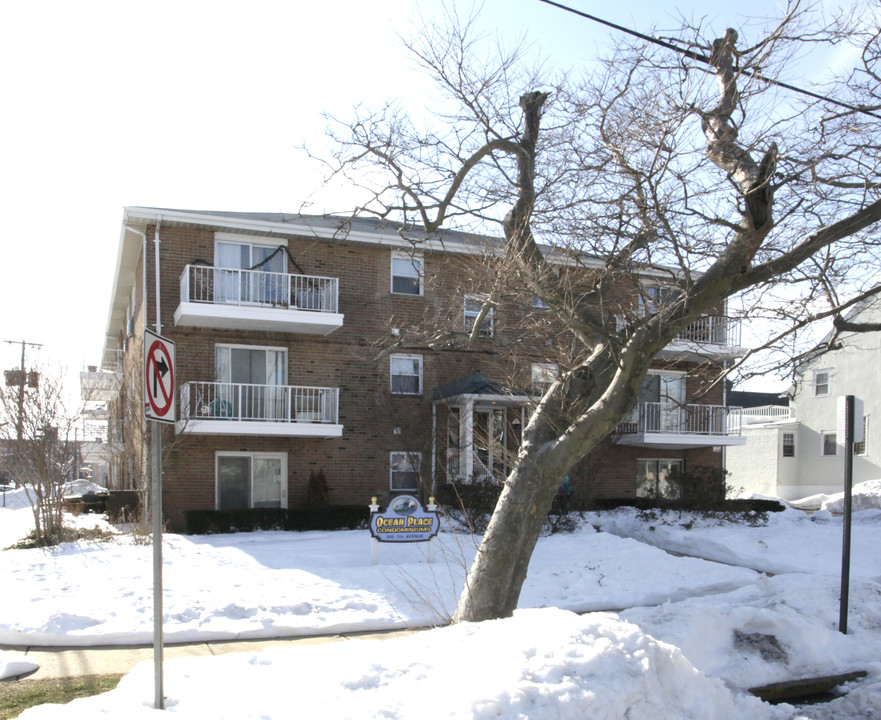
{"x":259,"y":403}
{"x":716,"y":330}
{"x":226,"y":286}
{"x":675,"y":419}
{"x":767,"y":414}
{"x":713,"y":330}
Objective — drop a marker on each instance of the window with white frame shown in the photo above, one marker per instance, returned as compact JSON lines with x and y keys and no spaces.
{"x":406,"y":374}
{"x":821,"y":383}
{"x":829,"y":441}
{"x":249,"y":273}
{"x":473,"y":306}
{"x":404,"y":470}
{"x":407,"y":274}
{"x":251,"y":383}
{"x":543,"y":375}
{"x":658,"y":477}
{"x":861,"y":448}
{"x":655,"y":297}
{"x":539,"y":304}
{"x":788,"y":445}
{"x":250,"y":480}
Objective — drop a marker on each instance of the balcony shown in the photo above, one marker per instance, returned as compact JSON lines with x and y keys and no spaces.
{"x":102,"y":384}
{"x":768,"y":414}
{"x":212,"y":297}
{"x":671,"y":426}
{"x":210,"y":408}
{"x":715,"y":336}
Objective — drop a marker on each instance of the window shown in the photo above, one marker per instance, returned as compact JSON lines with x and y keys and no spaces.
{"x":658,"y":478}
{"x":473,"y":306}
{"x":539,"y":304}
{"x":249,"y":274}
{"x":251,"y":384}
{"x":653,"y":298}
{"x":404,"y":473}
{"x":821,"y":383}
{"x":830,"y":442}
{"x":861,"y":448}
{"x":407,"y":274}
{"x":406,"y":374}
{"x":251,"y":480}
{"x":543,"y":375}
{"x":788,"y":444}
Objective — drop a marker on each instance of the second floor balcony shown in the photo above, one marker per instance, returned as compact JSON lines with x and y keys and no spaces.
{"x":218,"y":408}
{"x":236,"y":299}
{"x":666,"y":425}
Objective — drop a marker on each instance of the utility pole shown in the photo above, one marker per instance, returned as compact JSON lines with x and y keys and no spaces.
{"x":22,"y":379}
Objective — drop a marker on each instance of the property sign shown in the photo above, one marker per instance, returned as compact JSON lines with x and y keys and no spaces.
{"x":404,"y":521}
{"x":158,"y":378}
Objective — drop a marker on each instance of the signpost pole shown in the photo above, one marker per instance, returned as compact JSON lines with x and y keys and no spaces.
{"x":848,"y":511}
{"x":156,"y":466}
{"x":159,"y":389}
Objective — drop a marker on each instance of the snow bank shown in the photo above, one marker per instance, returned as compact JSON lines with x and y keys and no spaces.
{"x":791,"y":541}
{"x":14,"y":665}
{"x":78,"y":488}
{"x":540,"y":664}
{"x":866,"y":496}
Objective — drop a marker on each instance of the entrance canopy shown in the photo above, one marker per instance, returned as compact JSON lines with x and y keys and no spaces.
{"x":478,"y":388}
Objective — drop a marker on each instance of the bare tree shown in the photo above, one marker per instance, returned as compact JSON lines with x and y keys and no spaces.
{"x":44,"y":454}
{"x":703,"y":174}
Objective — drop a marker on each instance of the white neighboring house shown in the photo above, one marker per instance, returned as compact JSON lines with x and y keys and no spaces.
{"x":795,"y":452}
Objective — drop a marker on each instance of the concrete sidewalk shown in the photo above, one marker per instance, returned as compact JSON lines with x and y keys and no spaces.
{"x":59,"y":662}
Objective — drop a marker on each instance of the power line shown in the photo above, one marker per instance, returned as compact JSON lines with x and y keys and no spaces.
{"x":700,"y":57}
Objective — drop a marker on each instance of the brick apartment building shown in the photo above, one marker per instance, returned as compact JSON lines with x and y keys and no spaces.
{"x":301,"y":346}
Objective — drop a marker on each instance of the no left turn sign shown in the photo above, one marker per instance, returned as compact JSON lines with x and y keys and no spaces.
{"x":158,"y":378}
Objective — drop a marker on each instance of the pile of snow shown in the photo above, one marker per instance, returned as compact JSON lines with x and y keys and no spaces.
{"x":13,"y":665}
{"x":696,"y":634}
{"x":866,"y":496}
{"x":791,"y":541}
{"x":540,"y":664}
{"x":277,"y":584}
{"x":78,"y":488}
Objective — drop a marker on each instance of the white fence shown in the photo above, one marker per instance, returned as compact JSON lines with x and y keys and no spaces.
{"x":767,"y":414}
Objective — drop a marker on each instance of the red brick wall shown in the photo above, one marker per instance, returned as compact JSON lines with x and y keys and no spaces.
{"x":354,"y":358}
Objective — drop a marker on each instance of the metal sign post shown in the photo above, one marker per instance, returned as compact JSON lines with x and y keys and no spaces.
{"x":159,"y":391}
{"x":848,"y":410}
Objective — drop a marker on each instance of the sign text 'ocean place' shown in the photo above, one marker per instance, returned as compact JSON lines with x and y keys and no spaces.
{"x":404,"y":521}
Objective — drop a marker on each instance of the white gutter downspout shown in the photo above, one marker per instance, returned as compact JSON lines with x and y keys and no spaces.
{"x":158,"y":287}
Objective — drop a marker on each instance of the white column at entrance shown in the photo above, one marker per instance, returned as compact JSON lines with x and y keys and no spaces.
{"x":468,"y":445}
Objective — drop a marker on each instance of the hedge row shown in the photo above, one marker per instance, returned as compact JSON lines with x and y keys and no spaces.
{"x":324,"y":517}
{"x":739,"y":505}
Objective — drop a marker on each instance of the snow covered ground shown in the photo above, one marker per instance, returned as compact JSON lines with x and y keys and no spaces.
{"x":688,"y":635}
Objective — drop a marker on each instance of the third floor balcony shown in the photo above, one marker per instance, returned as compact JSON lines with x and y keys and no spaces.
{"x":235,"y":299}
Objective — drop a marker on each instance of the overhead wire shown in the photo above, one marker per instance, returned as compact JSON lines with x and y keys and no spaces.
{"x":700,"y":57}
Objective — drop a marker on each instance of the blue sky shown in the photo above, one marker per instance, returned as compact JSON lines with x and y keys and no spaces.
{"x":201,"y":105}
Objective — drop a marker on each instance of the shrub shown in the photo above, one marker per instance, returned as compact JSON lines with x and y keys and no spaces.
{"x":328,"y":517}
{"x":476,"y":501}
{"x":316,"y":489}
